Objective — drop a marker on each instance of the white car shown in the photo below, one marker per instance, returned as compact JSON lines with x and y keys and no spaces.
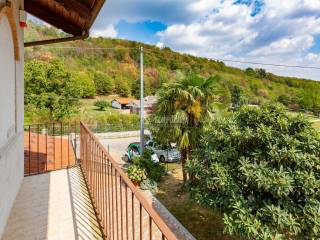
{"x":164,"y":155}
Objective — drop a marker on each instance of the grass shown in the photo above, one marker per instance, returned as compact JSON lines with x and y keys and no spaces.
{"x":202,"y":223}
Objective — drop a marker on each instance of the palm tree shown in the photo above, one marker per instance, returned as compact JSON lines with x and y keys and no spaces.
{"x":182,"y":107}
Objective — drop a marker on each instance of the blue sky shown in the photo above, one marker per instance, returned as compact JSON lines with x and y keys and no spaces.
{"x":269,"y":31}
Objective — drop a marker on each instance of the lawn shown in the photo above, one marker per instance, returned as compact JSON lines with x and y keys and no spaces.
{"x":202,"y":223}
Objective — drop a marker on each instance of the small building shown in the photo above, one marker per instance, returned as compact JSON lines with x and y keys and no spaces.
{"x":121,"y":103}
{"x":149,"y":105}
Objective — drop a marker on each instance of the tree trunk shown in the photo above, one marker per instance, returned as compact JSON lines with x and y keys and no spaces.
{"x":183,"y":153}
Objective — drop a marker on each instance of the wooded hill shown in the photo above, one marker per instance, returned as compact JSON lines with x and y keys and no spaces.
{"x":111,"y":66}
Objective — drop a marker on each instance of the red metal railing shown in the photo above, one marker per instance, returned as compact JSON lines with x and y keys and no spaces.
{"x":121,"y":210}
{"x":49,"y":147}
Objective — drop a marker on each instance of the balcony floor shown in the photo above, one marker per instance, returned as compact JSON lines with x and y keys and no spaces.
{"x":55,"y":206}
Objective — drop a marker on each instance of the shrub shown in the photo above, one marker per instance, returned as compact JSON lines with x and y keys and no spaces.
{"x":153,"y":170}
{"x":136,"y":174}
{"x":102,"y":104}
{"x":261,"y":168}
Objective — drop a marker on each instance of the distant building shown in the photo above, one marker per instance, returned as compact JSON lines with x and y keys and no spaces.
{"x":121,"y":103}
{"x":149,"y":105}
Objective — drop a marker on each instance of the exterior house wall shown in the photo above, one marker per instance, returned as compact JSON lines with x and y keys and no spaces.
{"x":11,"y":112}
{"x":115,"y":104}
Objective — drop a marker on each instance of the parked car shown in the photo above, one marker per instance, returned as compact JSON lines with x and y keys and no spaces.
{"x":164,"y":155}
{"x":134,"y":149}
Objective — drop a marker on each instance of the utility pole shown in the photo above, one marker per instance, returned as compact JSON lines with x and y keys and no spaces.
{"x":141,"y":103}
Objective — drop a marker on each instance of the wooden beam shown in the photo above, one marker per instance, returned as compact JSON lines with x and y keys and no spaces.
{"x":48,"y":16}
{"x":52,"y":41}
{"x":78,"y":7}
{"x":8,"y":11}
{"x":95,"y":11}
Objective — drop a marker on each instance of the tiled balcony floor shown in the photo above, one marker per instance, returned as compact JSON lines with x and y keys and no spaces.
{"x":55,"y":206}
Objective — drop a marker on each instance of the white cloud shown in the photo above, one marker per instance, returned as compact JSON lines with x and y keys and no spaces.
{"x":109,"y":31}
{"x":282,"y":33}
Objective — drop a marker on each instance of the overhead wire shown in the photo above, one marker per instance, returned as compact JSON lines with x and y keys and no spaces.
{"x":214,"y":59}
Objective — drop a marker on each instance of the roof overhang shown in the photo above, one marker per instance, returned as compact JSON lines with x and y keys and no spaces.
{"x":72,"y":16}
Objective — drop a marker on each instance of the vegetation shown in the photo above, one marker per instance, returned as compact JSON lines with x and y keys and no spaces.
{"x":261,"y":168}
{"x":115,"y":70}
{"x":102,"y":105}
{"x":136,"y":174}
{"x":50,"y":89}
{"x":153,"y":170}
{"x":181,"y":106}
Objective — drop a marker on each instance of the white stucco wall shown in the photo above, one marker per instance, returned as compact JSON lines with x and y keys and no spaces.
{"x":11,"y":116}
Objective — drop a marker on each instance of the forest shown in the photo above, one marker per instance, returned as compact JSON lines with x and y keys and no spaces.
{"x":103,"y":66}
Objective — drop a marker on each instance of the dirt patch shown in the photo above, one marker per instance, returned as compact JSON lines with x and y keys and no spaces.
{"x":203,"y":224}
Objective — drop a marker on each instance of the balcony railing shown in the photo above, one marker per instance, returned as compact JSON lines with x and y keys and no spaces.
{"x":49,"y":147}
{"x":121,"y":209}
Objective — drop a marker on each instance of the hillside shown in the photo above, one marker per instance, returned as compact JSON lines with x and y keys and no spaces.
{"x":111,"y":66}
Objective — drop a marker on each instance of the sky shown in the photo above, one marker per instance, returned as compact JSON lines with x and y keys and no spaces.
{"x":268,"y":31}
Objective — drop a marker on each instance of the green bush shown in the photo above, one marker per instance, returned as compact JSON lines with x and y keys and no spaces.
{"x":261,"y":168}
{"x":136,"y":174}
{"x":153,"y":170}
{"x":102,"y":104}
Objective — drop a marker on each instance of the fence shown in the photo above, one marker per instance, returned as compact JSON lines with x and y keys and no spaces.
{"x":49,"y":147}
{"x":122,"y":211}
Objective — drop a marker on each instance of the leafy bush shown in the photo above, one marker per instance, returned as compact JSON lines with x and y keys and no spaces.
{"x":261,"y":167}
{"x":149,"y":184}
{"x":102,"y":104}
{"x":153,"y":170}
{"x":136,"y":174}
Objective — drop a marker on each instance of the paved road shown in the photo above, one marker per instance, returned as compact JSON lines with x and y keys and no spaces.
{"x":118,"y":146}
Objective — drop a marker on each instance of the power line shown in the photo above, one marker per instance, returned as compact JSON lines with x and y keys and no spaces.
{"x":215,"y":59}
{"x":266,"y":64}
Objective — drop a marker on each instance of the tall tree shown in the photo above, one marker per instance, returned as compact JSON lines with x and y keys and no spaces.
{"x":181,"y":108}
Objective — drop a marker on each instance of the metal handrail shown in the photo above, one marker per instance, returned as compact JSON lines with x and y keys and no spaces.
{"x":154,"y":217}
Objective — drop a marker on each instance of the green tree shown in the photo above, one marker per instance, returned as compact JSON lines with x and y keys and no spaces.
{"x":260,"y":167}
{"x":122,"y":87}
{"x":49,"y":88}
{"x":181,"y":107}
{"x":103,"y":83}
{"x":86,"y":84}
{"x":237,"y":98}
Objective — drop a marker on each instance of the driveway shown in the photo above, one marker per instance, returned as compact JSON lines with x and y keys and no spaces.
{"x":118,"y":146}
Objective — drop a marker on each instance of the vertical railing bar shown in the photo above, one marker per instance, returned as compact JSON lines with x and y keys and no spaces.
{"x":117,"y":215}
{"x":61,"y":133}
{"x":46,"y":129}
{"x":121,"y":221}
{"x":127,"y":222}
{"x":54,"y":148}
{"x":150,"y":228}
{"x":29,"y":149}
{"x":105,"y":195}
{"x":109,"y":200}
{"x":68,"y":144}
{"x":140,"y":213}
{"x":38,"y":150}
{"x":132,"y":203}
{"x":112,"y":202}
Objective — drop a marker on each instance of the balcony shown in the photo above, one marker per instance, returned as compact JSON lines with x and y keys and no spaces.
{"x":71,"y":194}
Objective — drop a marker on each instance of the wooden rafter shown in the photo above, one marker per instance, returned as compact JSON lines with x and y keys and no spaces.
{"x":8,"y":11}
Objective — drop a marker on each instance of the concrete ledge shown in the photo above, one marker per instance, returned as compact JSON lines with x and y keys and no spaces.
{"x":125,"y":134}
